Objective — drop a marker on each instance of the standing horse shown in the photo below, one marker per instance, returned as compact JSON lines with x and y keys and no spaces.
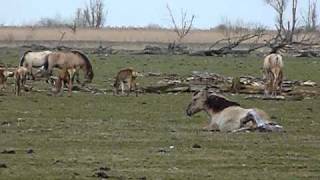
{"x":228,"y":116}
{"x":273,"y":74}
{"x":126,"y":76}
{"x":20,"y":78}
{"x":73,"y":59}
{"x":31,"y":60}
{"x":4,"y":74}
{"x":64,"y":77}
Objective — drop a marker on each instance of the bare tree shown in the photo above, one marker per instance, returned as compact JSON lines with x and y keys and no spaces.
{"x":93,"y":15}
{"x":310,"y":20}
{"x":279,"y":6}
{"x":182,"y":29}
{"x":285,"y":34}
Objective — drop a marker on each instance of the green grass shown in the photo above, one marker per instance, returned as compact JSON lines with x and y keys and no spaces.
{"x":72,"y":137}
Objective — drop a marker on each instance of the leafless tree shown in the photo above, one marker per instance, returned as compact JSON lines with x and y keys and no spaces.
{"x":182,"y":29}
{"x":92,"y":15}
{"x":285,"y":33}
{"x":310,"y":20}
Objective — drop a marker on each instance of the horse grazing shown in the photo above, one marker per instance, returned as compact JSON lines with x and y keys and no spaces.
{"x":20,"y":78}
{"x":273,"y":74}
{"x":228,"y":116}
{"x":73,"y":59}
{"x":64,"y":77}
{"x":31,"y":60}
{"x":126,"y":76}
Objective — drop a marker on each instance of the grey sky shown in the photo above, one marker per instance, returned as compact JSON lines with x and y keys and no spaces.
{"x":208,"y":13}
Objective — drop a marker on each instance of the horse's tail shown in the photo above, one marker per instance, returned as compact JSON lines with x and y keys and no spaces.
{"x":22,"y":59}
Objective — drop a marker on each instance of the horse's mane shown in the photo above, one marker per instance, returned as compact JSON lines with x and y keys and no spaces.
{"x":219,"y":103}
{"x":23,"y":57}
{"x":86,"y":59}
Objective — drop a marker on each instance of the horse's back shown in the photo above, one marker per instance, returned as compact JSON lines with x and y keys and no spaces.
{"x":35,"y":59}
{"x":273,"y":61}
{"x":68,"y":59}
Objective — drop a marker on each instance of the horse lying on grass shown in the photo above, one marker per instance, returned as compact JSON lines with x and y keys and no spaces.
{"x":228,"y":116}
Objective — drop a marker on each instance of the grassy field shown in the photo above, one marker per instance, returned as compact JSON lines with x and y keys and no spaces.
{"x":150,"y":137}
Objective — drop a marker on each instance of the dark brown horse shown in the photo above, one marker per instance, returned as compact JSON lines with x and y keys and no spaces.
{"x":73,"y":59}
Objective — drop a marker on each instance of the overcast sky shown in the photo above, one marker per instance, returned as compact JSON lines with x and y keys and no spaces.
{"x":208,"y":13}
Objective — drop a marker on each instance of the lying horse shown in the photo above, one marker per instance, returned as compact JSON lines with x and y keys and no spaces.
{"x":31,"y":60}
{"x":273,"y":74}
{"x":73,"y":59}
{"x":20,"y":78}
{"x":228,"y":116}
{"x":126,"y":76}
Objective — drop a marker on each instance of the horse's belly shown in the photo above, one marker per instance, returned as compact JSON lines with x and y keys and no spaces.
{"x":230,"y":118}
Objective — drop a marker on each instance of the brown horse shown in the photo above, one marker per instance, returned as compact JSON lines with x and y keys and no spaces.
{"x":73,"y":59}
{"x":228,"y":116}
{"x":126,"y":76}
{"x":64,"y":77}
{"x":20,"y":78}
{"x":4,"y":74}
{"x":273,"y":74}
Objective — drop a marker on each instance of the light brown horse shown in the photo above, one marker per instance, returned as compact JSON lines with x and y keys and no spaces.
{"x":228,"y":116}
{"x":126,"y":76}
{"x":73,"y":59}
{"x":273,"y":74}
{"x":64,"y":77}
{"x":4,"y":74}
{"x":20,"y":78}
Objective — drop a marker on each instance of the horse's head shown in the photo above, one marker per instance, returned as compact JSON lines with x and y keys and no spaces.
{"x":89,"y":76}
{"x":197,"y":103}
{"x":215,"y":103}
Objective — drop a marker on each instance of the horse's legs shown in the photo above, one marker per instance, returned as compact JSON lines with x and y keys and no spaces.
{"x":135,"y":88}
{"x":17,"y":86}
{"x":69,"y":88}
{"x":122,"y":87}
{"x":243,"y":129}
{"x":129,"y":85}
{"x":211,"y":127}
{"x":77,"y":77}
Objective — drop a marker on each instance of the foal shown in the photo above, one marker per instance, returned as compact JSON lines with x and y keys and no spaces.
{"x":64,"y":77}
{"x":20,"y":78}
{"x":4,"y":74}
{"x":126,"y":76}
{"x":273,"y":74}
